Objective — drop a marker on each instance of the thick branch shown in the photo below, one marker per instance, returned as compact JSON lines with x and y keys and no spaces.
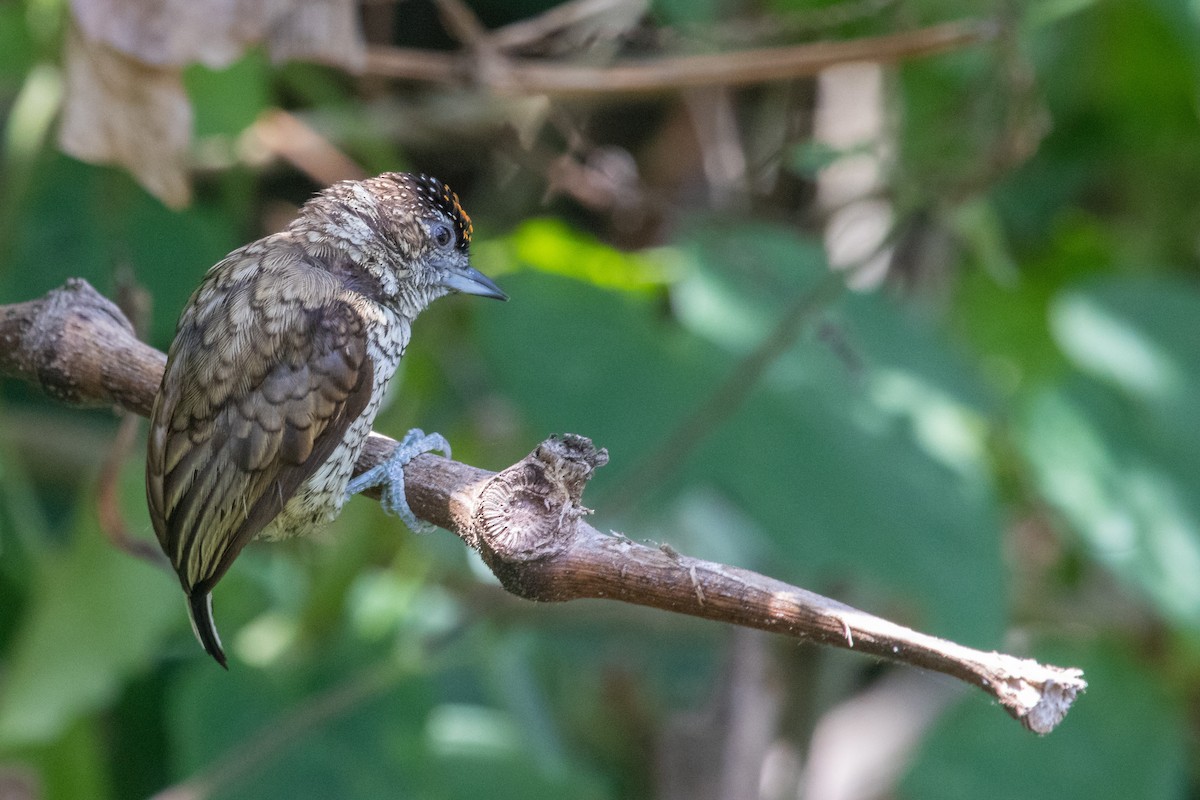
{"x":79,"y":348}
{"x":527,"y":521}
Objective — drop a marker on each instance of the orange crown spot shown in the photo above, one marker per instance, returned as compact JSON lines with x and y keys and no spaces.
{"x":439,"y":196}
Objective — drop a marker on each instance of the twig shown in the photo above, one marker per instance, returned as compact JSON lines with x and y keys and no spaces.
{"x":461,"y":22}
{"x":532,"y":30}
{"x":304,"y":148}
{"x":670,"y":74}
{"x":490,"y":67}
{"x":108,"y":503}
{"x":412,"y":64}
{"x":527,"y":521}
{"x":134,"y":302}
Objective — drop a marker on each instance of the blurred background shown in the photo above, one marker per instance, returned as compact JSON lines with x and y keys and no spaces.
{"x":919,"y":333}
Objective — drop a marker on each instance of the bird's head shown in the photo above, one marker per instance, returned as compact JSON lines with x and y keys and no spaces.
{"x":408,"y":231}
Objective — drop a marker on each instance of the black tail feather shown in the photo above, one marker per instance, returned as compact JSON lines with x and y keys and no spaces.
{"x":200,"y":610}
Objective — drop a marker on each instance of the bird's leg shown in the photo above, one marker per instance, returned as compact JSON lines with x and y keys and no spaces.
{"x":390,"y":476}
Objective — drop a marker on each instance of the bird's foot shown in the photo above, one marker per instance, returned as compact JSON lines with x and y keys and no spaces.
{"x":390,"y":476}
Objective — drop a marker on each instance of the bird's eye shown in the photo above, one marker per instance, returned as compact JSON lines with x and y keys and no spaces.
{"x":442,"y":235}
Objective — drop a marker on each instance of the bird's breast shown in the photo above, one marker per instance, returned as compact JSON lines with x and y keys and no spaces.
{"x":319,"y":499}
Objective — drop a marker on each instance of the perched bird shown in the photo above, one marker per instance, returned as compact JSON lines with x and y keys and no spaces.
{"x":278,"y":367}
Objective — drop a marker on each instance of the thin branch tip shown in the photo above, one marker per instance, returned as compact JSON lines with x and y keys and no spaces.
{"x":1057,"y":697}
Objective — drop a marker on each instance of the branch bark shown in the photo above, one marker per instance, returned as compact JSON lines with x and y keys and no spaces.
{"x":527,"y":521}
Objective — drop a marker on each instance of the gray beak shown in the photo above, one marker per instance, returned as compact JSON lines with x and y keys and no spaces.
{"x":469,"y":280}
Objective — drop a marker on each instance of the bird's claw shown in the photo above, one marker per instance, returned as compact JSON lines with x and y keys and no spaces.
{"x":390,"y":476}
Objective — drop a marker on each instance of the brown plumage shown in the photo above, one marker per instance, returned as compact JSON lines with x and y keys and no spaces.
{"x":279,"y":363}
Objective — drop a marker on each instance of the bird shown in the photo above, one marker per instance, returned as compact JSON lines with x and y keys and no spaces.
{"x":280,"y":361}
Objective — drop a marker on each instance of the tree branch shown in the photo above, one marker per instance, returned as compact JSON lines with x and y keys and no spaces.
{"x":528,"y":522}
{"x":667,"y":74}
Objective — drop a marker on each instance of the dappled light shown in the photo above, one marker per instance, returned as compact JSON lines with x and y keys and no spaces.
{"x":840,"y":429}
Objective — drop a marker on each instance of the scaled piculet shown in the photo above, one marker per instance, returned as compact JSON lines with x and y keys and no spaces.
{"x":279,"y":364}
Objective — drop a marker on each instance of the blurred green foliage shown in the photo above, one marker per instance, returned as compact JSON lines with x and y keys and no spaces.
{"x":999,"y":446}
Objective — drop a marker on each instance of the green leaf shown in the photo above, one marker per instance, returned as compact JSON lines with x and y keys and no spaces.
{"x":228,"y":100}
{"x":550,"y":245}
{"x":1123,"y":738}
{"x":72,"y":765}
{"x":686,"y":12}
{"x":1116,"y":450}
{"x":16,"y":45}
{"x":84,"y":221}
{"x":95,"y":616}
{"x":1049,"y":12}
{"x":248,"y":714}
{"x":332,"y":727}
{"x":1005,"y":315}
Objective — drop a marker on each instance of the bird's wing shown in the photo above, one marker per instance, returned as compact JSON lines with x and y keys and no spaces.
{"x":268,"y":370}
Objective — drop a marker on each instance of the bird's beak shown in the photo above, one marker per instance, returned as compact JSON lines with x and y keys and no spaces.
{"x":469,"y":280}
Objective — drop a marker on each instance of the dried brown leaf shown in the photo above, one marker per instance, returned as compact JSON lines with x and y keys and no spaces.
{"x":125,"y":102}
{"x":318,"y":30}
{"x":119,"y":110}
{"x":216,"y":32}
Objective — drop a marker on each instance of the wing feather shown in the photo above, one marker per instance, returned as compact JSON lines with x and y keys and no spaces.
{"x":258,"y":392}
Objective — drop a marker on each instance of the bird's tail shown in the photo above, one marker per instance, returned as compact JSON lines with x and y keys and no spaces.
{"x":200,"y":611}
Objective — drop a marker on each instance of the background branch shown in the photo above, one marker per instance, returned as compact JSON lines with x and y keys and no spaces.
{"x":670,"y":73}
{"x":527,"y":521}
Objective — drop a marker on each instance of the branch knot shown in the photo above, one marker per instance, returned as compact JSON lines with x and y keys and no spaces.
{"x":530,"y":511}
